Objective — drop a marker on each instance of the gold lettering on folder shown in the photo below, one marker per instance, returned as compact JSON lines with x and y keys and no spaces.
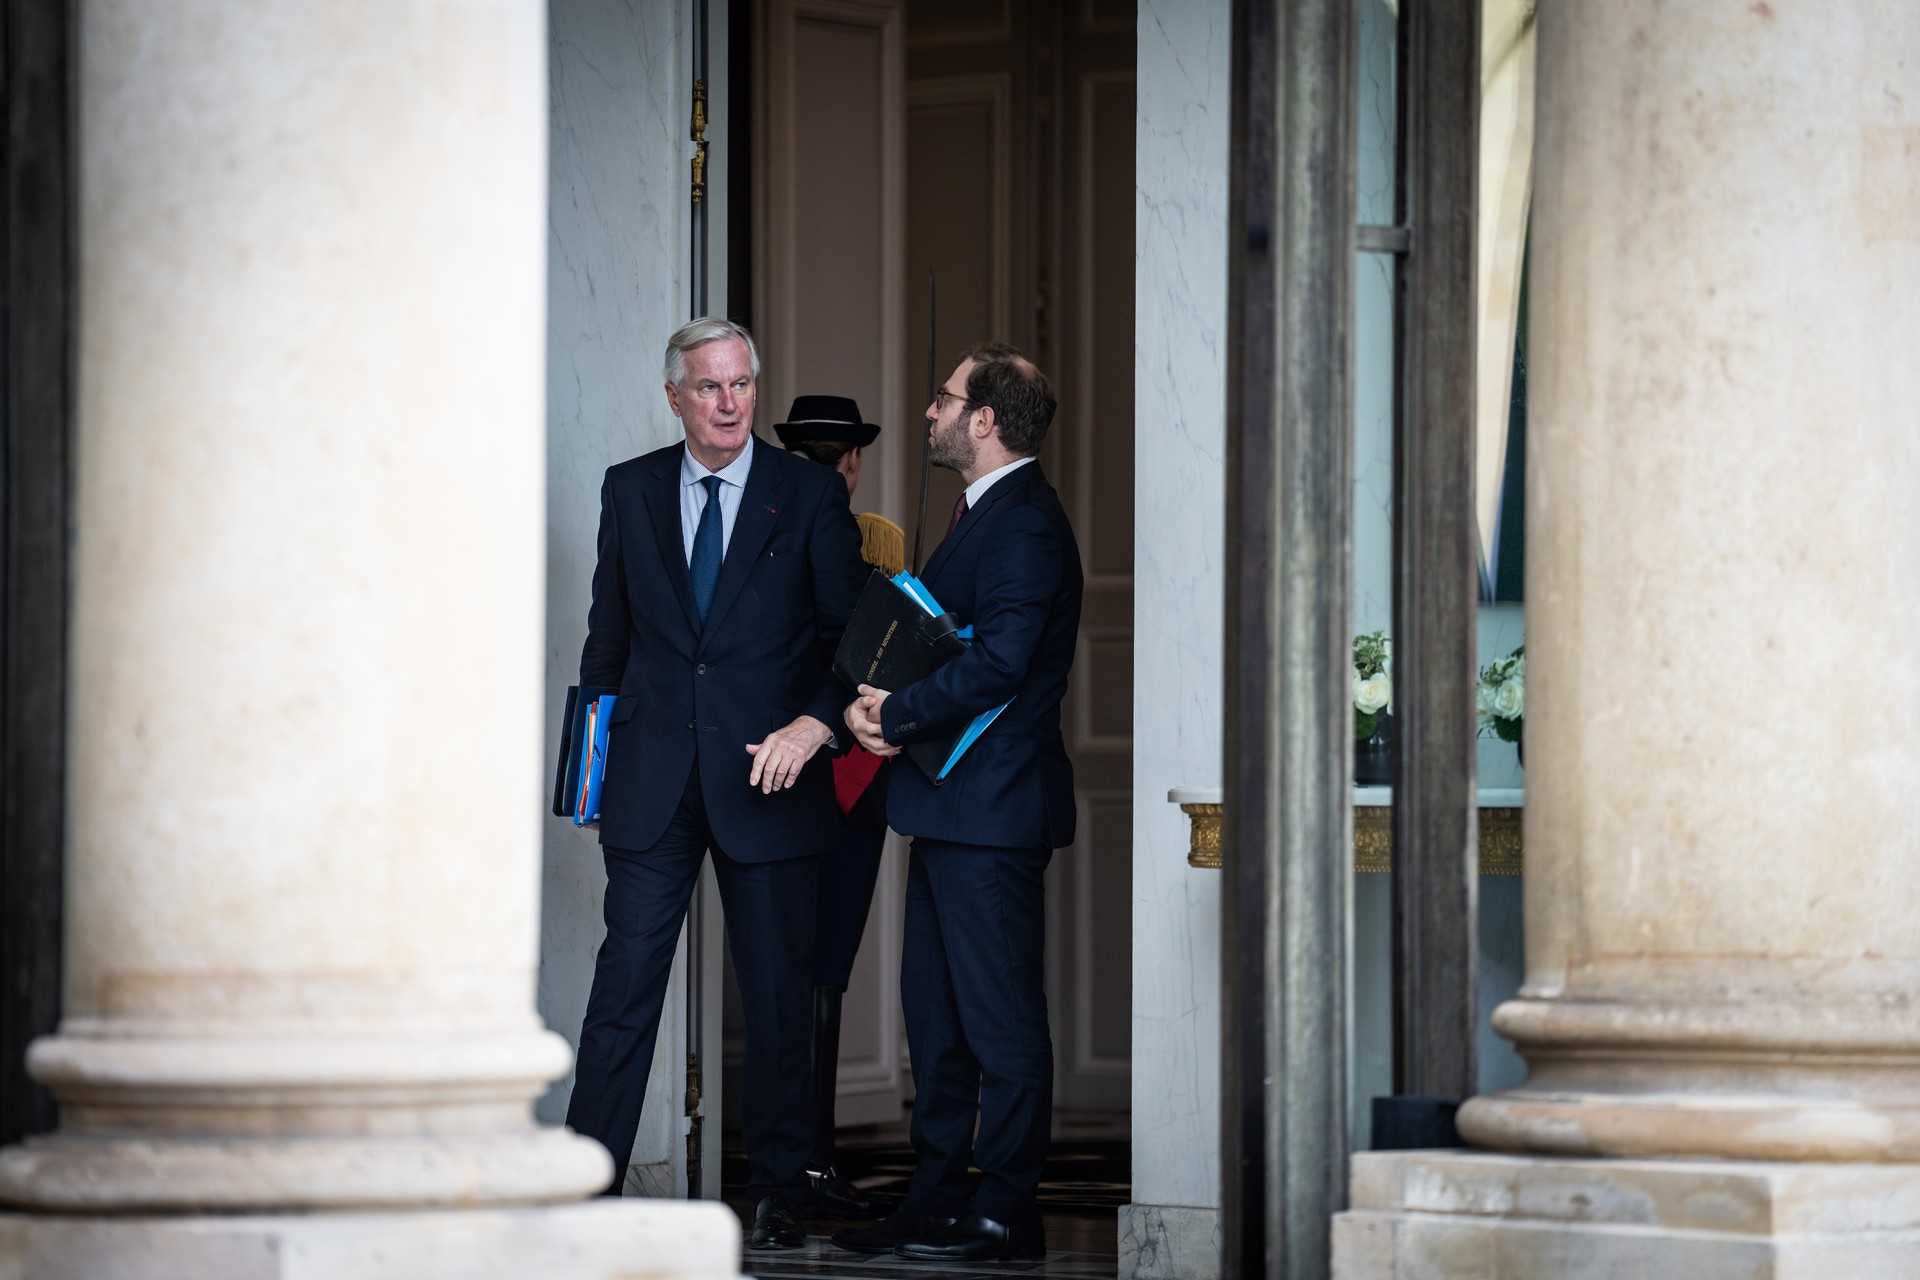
{"x":885,"y":640}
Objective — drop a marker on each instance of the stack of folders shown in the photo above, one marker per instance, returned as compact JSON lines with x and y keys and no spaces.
{"x":582,"y":768}
{"x":899,"y":634}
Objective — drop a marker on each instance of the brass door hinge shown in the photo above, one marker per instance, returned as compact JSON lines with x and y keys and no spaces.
{"x":699,"y":132}
{"x":696,"y":1143}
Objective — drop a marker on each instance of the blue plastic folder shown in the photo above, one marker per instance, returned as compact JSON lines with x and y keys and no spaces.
{"x":924,"y":598}
{"x":593,"y":759}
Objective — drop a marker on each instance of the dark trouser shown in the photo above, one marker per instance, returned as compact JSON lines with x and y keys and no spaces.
{"x":847,"y":875}
{"x":972,"y":980}
{"x":769,"y":908}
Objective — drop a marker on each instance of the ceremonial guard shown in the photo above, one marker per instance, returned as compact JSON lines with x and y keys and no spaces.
{"x":828,"y":429}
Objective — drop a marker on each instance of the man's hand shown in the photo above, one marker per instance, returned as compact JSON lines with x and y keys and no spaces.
{"x":777,"y":758}
{"x":863,"y":717}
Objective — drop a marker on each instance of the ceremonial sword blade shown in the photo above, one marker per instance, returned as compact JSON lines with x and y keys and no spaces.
{"x":926,"y":436}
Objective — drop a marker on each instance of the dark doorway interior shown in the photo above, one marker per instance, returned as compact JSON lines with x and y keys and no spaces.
{"x":36,"y":157}
{"x":1019,"y":133}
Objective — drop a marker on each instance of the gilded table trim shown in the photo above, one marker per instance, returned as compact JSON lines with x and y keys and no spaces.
{"x":1203,"y":840}
{"x":1501,"y":852}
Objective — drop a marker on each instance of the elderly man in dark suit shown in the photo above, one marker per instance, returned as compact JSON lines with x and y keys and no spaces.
{"x":726,"y":574}
{"x":972,"y":977}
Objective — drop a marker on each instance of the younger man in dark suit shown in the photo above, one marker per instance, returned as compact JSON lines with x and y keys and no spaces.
{"x":726,"y":575}
{"x":972,"y":976}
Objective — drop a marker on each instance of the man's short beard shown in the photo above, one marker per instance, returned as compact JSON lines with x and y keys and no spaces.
{"x":955,"y":451}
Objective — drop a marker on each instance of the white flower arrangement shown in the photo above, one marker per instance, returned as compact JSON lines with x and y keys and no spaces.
{"x":1372,"y":681}
{"x":1501,"y":698}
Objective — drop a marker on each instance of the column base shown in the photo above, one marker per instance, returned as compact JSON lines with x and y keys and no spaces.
{"x":1169,"y":1242}
{"x":1449,"y":1215}
{"x":601,"y":1240}
{"x":1827,"y":1078}
{"x":79,"y":1173}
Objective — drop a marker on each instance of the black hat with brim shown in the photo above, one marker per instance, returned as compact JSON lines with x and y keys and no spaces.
{"x":834,"y":418}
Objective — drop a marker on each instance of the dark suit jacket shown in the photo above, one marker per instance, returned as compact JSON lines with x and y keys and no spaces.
{"x":789,"y":580}
{"x":1012,"y":569}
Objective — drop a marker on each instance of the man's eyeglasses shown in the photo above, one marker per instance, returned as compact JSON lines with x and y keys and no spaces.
{"x":943,"y":395}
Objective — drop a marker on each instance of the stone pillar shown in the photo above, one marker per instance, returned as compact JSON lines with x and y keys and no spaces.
{"x":1171,"y":1229}
{"x":1722,"y":825}
{"x":305,"y":711}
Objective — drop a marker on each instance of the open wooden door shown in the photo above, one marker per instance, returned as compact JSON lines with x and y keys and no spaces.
{"x":829,"y":295}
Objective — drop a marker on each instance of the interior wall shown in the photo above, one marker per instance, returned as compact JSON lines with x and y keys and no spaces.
{"x":617,"y":249}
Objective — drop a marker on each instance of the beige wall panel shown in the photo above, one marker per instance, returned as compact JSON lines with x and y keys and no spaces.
{"x":1090,"y":885}
{"x":838,"y":187}
{"x":1021,"y":140}
{"x":829,"y":217}
{"x":1105,"y":670}
{"x":829,"y":230}
{"x":933,"y":23}
{"x":957,"y":169}
{"x":1085,"y":283}
{"x":1105,"y":245}
{"x":1116,"y":16}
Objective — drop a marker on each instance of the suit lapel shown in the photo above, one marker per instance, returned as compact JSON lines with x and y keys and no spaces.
{"x":942,"y":553}
{"x":663,"y":504}
{"x":971,"y":521}
{"x":759,"y":510}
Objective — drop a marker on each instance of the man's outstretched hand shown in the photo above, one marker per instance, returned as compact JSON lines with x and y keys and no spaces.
{"x":863,"y":718}
{"x":778,"y":758}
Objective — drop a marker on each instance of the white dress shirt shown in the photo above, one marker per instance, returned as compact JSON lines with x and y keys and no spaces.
{"x":693,"y":496}
{"x":693,"y":501}
{"x":978,"y":489}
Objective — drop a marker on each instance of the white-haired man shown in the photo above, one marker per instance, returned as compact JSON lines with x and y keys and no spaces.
{"x":726,"y":574}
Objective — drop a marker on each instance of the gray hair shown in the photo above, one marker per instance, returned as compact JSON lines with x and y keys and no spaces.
{"x":698,"y":333}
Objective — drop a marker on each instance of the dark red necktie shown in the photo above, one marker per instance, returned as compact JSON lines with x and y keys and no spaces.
{"x":959,"y":509}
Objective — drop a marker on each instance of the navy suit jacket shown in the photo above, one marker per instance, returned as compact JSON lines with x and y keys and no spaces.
{"x":789,"y":580}
{"x":1012,"y":569}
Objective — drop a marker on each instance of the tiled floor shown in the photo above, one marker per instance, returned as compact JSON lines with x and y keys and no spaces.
{"x":822,"y":1261}
{"x":1084,"y":1188}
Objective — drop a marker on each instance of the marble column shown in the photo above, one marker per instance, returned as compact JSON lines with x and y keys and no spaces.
{"x":305,"y":712}
{"x":1171,"y":1230}
{"x":1722,"y":831}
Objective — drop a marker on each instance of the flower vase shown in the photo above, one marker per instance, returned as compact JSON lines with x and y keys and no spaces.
{"x":1373,"y":757}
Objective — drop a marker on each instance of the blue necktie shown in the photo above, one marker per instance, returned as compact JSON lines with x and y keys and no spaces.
{"x":704,"y":565}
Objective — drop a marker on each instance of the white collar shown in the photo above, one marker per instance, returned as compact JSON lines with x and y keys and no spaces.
{"x":978,"y":489}
{"x":692,"y":471}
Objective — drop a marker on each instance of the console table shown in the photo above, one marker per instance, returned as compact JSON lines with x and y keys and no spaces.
{"x":1500,"y":812}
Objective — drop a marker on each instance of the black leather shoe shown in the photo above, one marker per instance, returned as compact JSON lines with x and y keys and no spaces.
{"x":974,"y":1238}
{"x":902,"y":1224}
{"x":776,"y":1225}
{"x":835,"y":1197}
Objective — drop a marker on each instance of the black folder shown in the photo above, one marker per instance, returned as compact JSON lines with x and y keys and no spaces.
{"x":890,"y":642}
{"x":566,"y":772}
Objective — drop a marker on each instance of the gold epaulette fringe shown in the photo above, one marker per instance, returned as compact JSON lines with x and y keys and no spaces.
{"x":883,"y":544}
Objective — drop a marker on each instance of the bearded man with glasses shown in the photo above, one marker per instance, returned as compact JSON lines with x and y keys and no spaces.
{"x":972,"y":973}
